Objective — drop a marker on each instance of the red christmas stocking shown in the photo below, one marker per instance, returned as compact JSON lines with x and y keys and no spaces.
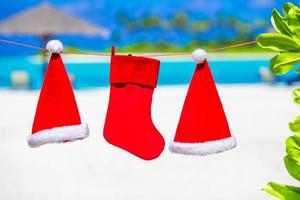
{"x":128,"y":123}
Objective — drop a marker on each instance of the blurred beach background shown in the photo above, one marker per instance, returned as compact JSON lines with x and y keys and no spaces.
{"x":258,"y":112}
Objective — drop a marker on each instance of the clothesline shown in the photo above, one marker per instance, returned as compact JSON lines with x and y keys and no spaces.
{"x":108,"y":54}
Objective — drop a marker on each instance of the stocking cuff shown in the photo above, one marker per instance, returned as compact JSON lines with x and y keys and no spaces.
{"x":134,"y":69}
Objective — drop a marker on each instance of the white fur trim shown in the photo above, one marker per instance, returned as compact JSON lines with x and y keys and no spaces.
{"x":58,"y":135}
{"x":54,"y":46}
{"x":199,"y":55}
{"x":203,"y":148}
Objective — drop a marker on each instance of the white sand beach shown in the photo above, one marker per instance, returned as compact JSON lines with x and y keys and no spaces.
{"x":93,"y":169}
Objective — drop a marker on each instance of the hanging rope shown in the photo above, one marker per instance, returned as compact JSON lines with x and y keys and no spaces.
{"x":23,"y":45}
{"x":108,"y":54}
{"x":232,"y":46}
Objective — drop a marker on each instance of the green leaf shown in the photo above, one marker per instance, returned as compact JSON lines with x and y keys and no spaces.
{"x":281,"y":187}
{"x":283,"y":192}
{"x":277,"y":186}
{"x":296,"y":96}
{"x":277,"y":42}
{"x":293,"y":10}
{"x":284,"y":62}
{"x":287,"y":7}
{"x":295,"y":125}
{"x":296,"y":37}
{"x":274,"y":193}
{"x":293,"y":147}
{"x":279,"y":24}
{"x":292,"y":159}
{"x":293,"y":167}
{"x":292,"y":18}
{"x":293,"y":21}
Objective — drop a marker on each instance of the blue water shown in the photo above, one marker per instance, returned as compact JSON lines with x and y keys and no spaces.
{"x":97,"y":74}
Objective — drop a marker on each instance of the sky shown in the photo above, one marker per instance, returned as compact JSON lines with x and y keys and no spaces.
{"x":104,"y":13}
{"x":103,"y":10}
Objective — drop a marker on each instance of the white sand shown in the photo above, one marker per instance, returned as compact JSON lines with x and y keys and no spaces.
{"x":93,"y":169}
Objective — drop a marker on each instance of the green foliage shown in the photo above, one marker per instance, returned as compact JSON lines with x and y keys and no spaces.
{"x":293,"y":165}
{"x":296,"y":96}
{"x":292,"y":16}
{"x":180,"y":20}
{"x":277,"y":42}
{"x":200,"y":26}
{"x":295,"y":125}
{"x":291,"y":160}
{"x":279,"y":24}
{"x":150,"y":47}
{"x":284,"y":62}
{"x":151,"y":21}
{"x":287,"y":7}
{"x":168,"y":47}
{"x":286,"y":41}
{"x":283,"y":192}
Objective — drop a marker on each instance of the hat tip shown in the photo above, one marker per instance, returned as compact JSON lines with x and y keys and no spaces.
{"x":199,"y":55}
{"x":54,"y":46}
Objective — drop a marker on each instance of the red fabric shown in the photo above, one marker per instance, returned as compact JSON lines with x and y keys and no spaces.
{"x":133,"y":69}
{"x":57,"y":105}
{"x":202,"y":118}
{"x":128,"y":123}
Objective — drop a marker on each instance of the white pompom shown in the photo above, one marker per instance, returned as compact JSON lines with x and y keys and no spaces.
{"x":199,"y":56}
{"x":54,"y":46}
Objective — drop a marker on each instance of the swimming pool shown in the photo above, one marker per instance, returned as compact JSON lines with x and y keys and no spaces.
{"x":93,"y":74}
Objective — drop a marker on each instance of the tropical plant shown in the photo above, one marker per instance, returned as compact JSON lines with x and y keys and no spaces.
{"x":287,"y":43}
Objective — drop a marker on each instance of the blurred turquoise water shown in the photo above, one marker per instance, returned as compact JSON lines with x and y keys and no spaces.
{"x":89,"y":75}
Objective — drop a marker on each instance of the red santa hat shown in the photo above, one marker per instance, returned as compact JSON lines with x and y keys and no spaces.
{"x":57,"y":117}
{"x":203,"y":127}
